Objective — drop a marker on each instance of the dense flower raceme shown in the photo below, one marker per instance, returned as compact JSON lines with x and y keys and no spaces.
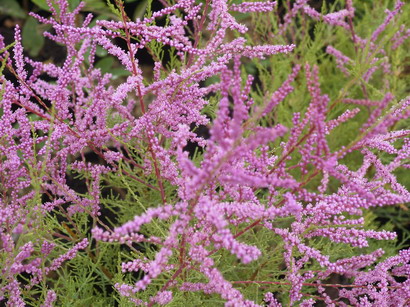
{"x":245,"y":179}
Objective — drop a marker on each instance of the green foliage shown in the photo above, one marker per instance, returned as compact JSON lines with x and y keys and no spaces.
{"x":33,"y":40}
{"x":11,"y":8}
{"x":88,"y":279}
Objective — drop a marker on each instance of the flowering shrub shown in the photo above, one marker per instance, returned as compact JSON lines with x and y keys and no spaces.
{"x":235,"y":173}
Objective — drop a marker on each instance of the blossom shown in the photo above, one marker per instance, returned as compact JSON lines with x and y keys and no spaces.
{"x":268,"y":167}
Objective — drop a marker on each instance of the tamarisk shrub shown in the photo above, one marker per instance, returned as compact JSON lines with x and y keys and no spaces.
{"x":271,"y":209}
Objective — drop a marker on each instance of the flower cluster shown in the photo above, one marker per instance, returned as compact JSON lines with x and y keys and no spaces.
{"x":256,"y":175}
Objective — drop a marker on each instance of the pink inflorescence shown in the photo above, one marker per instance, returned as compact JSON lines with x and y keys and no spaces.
{"x":252,"y":177}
